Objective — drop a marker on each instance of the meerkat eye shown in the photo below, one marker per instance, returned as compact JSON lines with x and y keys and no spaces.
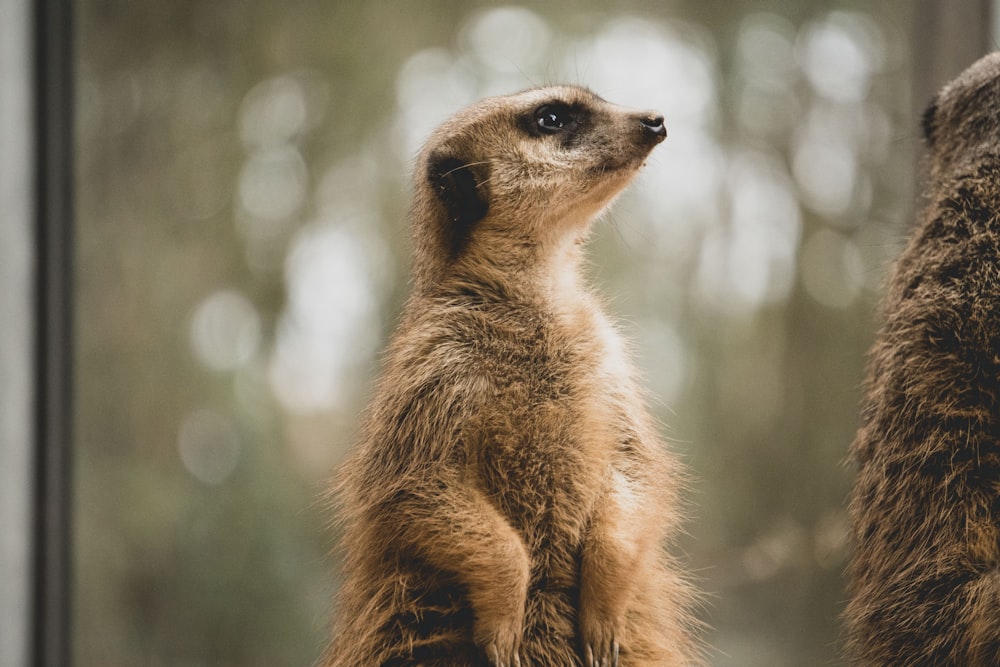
{"x":553,"y":118}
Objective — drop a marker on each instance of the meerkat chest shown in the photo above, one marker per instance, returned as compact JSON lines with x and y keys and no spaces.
{"x":551,"y":429}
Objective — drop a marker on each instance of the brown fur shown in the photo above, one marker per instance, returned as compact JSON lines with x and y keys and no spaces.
{"x":925,"y":511}
{"x":508,"y":499}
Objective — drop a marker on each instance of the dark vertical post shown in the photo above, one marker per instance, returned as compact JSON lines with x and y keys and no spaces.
{"x":53,"y":113}
{"x":947,"y":37}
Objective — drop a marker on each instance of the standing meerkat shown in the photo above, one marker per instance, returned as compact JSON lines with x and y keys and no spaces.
{"x":509,"y":498}
{"x":925,"y":509}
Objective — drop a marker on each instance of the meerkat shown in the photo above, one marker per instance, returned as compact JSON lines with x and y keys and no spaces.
{"x":508,"y":501}
{"x":925,"y":508}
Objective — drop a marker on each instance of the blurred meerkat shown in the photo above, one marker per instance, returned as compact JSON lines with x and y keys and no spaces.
{"x":509,"y":499}
{"x":925,"y":509}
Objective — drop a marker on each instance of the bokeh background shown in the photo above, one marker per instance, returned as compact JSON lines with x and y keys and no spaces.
{"x":242,"y":184}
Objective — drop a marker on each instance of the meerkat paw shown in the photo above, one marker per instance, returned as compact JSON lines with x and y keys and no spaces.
{"x":501,"y":645}
{"x":600,"y":642}
{"x":497,"y":659}
{"x":602,"y":658}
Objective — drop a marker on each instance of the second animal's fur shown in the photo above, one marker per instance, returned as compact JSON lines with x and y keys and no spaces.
{"x":509,"y":498}
{"x":925,"y":511}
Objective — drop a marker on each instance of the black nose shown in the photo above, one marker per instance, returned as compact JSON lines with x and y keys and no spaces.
{"x":654,"y":125}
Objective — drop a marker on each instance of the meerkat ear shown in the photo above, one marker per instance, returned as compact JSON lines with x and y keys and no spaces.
{"x":927,"y":121}
{"x":461,"y":186}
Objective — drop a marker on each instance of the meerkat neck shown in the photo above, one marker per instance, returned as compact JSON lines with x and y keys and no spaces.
{"x":526,"y":270}
{"x":561,"y":278}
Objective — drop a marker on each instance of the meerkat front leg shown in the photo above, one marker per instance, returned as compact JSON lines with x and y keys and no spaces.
{"x":616,"y":551}
{"x":456,"y":529}
{"x":621,"y":545}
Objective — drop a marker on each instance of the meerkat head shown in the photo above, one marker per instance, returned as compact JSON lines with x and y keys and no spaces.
{"x":522,"y":173}
{"x":964,"y":118}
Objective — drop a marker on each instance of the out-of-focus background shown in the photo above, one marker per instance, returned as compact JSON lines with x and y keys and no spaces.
{"x":242,"y":181}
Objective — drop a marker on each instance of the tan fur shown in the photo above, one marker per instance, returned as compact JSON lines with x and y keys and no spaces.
{"x":509,"y":498}
{"x":925,"y":511}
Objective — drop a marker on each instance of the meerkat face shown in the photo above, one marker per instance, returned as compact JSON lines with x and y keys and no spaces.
{"x":533,"y":165}
{"x":965,"y":115}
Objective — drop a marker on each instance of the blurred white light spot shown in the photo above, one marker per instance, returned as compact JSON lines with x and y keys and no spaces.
{"x":751,"y":263}
{"x":507,"y":39}
{"x":683,"y":177}
{"x":832,"y":269}
{"x":640,"y":63}
{"x":209,"y":446}
{"x":431,"y":85}
{"x":670,"y":68}
{"x":273,"y":113}
{"x":665,"y":357}
{"x":765,"y":108}
{"x":327,"y":275}
{"x":830,"y":539}
{"x":877,"y":136}
{"x":765,"y":46}
{"x":225,"y":330}
{"x":825,"y":164}
{"x":766,"y":100}
{"x":327,"y":326}
{"x":272,"y":186}
{"x":772,"y":552}
{"x":840,"y":54}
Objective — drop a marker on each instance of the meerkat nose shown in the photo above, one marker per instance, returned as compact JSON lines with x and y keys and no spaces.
{"x":654,"y":124}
